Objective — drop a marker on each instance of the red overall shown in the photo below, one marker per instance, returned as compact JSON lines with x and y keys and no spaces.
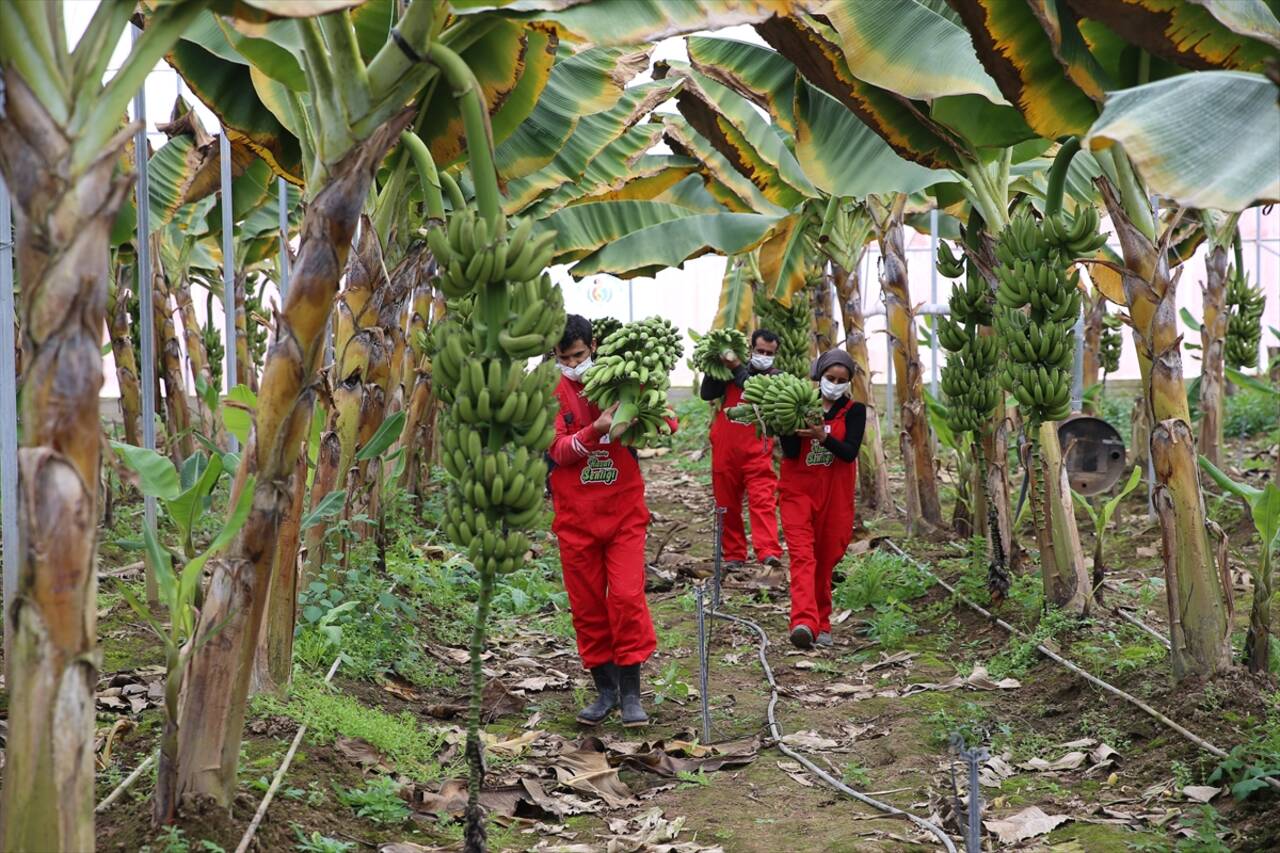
{"x":600,"y":521}
{"x":817,"y":518}
{"x":742,"y":466}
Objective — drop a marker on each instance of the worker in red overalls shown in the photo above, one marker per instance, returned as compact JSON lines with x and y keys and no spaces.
{"x":601,"y":520}
{"x":742,"y":461}
{"x":819,"y":472}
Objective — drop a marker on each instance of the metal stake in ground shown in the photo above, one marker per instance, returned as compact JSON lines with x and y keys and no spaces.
{"x":974,"y":757}
{"x":717,"y":558}
{"x":702,"y":663}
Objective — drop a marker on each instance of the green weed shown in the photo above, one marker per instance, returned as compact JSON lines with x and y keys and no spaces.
{"x":378,"y":801}
{"x":856,"y":776}
{"x":317,"y":843}
{"x":878,"y":577}
{"x":1207,"y":831}
{"x":891,"y":625}
{"x":693,"y":780}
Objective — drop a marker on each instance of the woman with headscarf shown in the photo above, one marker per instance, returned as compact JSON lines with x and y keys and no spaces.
{"x":816,"y":487}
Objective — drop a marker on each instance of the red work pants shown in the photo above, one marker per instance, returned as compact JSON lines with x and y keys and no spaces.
{"x":602,"y":560}
{"x":817,"y":536}
{"x":752,"y":478}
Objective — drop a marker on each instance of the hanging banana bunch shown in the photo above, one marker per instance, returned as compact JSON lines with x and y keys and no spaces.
{"x":631,"y":369}
{"x":969,"y":376}
{"x":778,"y":404}
{"x":603,"y":327}
{"x":1038,"y":299}
{"x":709,"y":351}
{"x":1109,"y":344}
{"x":500,"y":417}
{"x":792,"y":325}
{"x":1244,"y":323}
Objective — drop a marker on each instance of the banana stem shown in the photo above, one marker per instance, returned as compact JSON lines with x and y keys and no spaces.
{"x":1058,"y":175}
{"x":426,"y":173}
{"x":451,"y":188}
{"x":474,"y":839}
{"x":475,"y":118}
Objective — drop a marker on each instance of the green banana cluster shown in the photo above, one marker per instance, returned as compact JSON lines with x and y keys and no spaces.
{"x":603,"y":327}
{"x":780,"y":403}
{"x":1038,"y":300}
{"x":794,"y":328}
{"x":968,"y":377}
{"x":709,"y":351}
{"x":947,"y":263}
{"x":1109,"y":344}
{"x":632,"y":368}
{"x":1244,"y":322}
{"x":499,"y":417}
{"x":469,"y":256}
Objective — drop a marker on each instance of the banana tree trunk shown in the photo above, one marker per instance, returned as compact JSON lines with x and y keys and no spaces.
{"x":180,"y":443}
{"x":1257,"y":643}
{"x":324,"y":482}
{"x":123,"y":353}
{"x":1066,"y":582}
{"x":1198,"y":608}
{"x":823,"y":321}
{"x":273,"y":663}
{"x":873,"y":468}
{"x":63,"y":217}
{"x":1095,"y":311}
{"x":923,"y":508}
{"x":1213,"y":340}
{"x":217,"y":683}
{"x":197,"y":357}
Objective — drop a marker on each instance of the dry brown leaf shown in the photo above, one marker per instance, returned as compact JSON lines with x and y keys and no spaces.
{"x":796,"y":772}
{"x":361,"y":752}
{"x":1200,"y":793}
{"x":1027,"y":823}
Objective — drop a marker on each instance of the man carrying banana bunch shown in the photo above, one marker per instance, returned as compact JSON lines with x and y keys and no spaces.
{"x":742,"y":461}
{"x":601,"y":520}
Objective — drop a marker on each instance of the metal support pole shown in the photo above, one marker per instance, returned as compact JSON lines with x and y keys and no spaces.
{"x":146,"y":312}
{"x":933,"y":297}
{"x":717,"y":557}
{"x":283,"y":284}
{"x":228,"y":269}
{"x":8,"y":415}
{"x":888,"y":377}
{"x":631,"y":300}
{"x":703,"y":664}
{"x":1077,"y":364}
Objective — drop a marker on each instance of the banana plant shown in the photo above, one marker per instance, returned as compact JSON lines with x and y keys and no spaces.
{"x":1221,"y":232}
{"x":1101,"y":518}
{"x":1264,"y":508}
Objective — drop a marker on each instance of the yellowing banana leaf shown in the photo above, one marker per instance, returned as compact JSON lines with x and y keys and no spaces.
{"x":913,"y":47}
{"x":643,"y":178}
{"x":498,"y":60}
{"x":815,"y":51}
{"x":1196,"y":34}
{"x":611,"y":169}
{"x":628,"y":247}
{"x":1016,"y":51}
{"x":622,"y":22}
{"x":737,"y":301}
{"x":581,"y":84}
{"x":731,"y":124}
{"x":591,"y":135}
{"x":1206,"y":140}
{"x":692,"y":193}
{"x":262,"y":10}
{"x":844,"y":157}
{"x":1062,"y":27}
{"x":729,"y":186}
{"x":540,"y":57}
{"x":785,"y":258}
{"x":758,"y":74}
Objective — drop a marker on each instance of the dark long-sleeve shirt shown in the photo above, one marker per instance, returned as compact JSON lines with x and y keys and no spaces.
{"x":713,"y":389}
{"x":846,"y":450}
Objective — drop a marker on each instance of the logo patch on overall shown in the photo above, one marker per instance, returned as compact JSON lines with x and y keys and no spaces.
{"x":818,"y":455}
{"x":599,"y":469}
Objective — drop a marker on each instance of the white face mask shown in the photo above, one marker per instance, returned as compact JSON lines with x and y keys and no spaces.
{"x":761,"y":362}
{"x":833,"y":390}
{"x":578,"y":371}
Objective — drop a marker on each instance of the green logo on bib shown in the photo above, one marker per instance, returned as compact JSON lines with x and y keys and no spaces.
{"x":818,"y":455}
{"x":599,"y":469}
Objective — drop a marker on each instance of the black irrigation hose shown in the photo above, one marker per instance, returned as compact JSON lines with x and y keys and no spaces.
{"x":1061,"y":661}
{"x":775,"y":731}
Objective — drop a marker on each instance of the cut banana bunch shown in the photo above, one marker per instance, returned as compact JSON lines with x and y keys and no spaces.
{"x":603,"y":327}
{"x":468,"y":256}
{"x":1245,"y":305}
{"x":792,"y":325}
{"x":631,"y":369}
{"x":782,"y":404}
{"x":709,"y":352}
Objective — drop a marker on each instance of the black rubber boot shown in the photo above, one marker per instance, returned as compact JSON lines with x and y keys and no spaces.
{"x":633,"y":715}
{"x":606,"y":678}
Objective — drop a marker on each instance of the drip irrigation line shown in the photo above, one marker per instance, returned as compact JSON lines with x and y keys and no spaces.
{"x":1138,"y":623}
{"x":775,"y":731}
{"x":279,"y":777}
{"x":1086,"y":675}
{"x":126,"y":784}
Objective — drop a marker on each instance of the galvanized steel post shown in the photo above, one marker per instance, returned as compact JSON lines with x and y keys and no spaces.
{"x":228,"y":268}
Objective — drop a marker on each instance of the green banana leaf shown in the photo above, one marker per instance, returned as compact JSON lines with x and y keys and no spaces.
{"x":758,"y":74}
{"x":1196,"y":34}
{"x":1013,"y":46}
{"x":623,"y":22}
{"x":734,"y":127}
{"x":1205,"y":140}
{"x":622,"y":171}
{"x":539,"y":59}
{"x":580,"y":84}
{"x":729,"y":186}
{"x":630,"y":238}
{"x":814,"y":49}
{"x":785,"y":258}
{"x":693,"y":194}
{"x":737,"y":300}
